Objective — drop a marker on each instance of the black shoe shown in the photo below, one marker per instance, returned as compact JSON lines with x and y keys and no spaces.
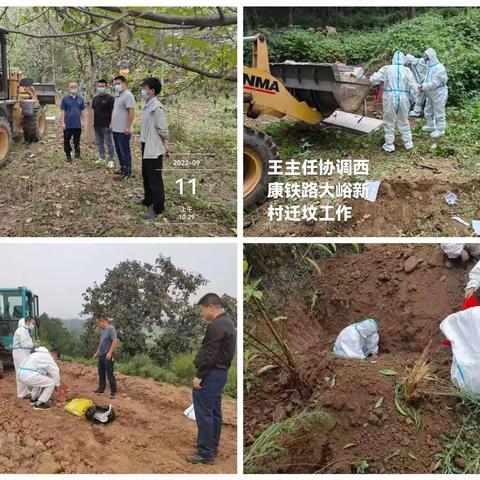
{"x":33,"y":401}
{"x":68,"y":159}
{"x":77,"y":154}
{"x":27,"y":397}
{"x":112,"y":395}
{"x":41,"y":406}
{"x":151,"y":214}
{"x":196,"y":458}
{"x":98,"y":391}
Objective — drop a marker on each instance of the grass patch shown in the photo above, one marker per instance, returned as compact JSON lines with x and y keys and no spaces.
{"x":268,"y":444}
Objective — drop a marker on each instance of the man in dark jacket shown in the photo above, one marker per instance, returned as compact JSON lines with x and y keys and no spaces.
{"x":212,"y":362}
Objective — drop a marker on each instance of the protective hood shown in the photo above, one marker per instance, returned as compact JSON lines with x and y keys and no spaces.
{"x":432,"y":56}
{"x":398,"y":58}
{"x":409,"y":59}
{"x":452,"y":250}
{"x":41,"y":349}
{"x":21,"y":323}
{"x":367,"y":327}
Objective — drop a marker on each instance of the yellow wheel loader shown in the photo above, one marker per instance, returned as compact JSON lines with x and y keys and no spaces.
{"x":308,"y":92}
{"x":21,"y":105}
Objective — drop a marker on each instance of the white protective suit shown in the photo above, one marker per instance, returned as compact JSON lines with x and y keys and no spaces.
{"x":463,"y":331}
{"x":399,"y":90}
{"x":454,"y":250}
{"x":435,"y":87}
{"x":40,"y":371}
{"x":358,"y":340}
{"x":22,"y":346}
{"x":474,"y":277}
{"x":418,"y":67}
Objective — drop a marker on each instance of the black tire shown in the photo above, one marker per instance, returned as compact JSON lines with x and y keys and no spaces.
{"x":5,"y":141}
{"x":34,"y":126}
{"x":258,"y":149}
{"x":1,"y":369}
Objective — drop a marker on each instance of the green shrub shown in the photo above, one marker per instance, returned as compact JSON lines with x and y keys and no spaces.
{"x":453,"y":33}
{"x":182,"y":366}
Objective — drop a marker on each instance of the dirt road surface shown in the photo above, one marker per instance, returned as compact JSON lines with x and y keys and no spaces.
{"x":150,"y":435}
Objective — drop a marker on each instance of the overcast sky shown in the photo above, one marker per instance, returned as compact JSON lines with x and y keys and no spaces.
{"x":60,"y":273}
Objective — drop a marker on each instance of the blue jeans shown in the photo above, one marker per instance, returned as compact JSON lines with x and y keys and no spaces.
{"x":122,"y":146}
{"x":103,"y":136}
{"x":207,"y":403}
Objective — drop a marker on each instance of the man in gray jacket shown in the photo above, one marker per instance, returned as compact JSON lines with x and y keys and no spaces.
{"x":154,"y":138}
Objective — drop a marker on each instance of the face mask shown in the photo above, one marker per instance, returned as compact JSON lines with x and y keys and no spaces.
{"x":144,"y":94}
{"x":31,"y":327}
{"x":74,"y":91}
{"x":119,"y":88}
{"x":100,"y":90}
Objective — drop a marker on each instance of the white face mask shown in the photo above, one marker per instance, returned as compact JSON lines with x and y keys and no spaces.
{"x":119,"y":88}
{"x":31,"y":327}
{"x":74,"y":91}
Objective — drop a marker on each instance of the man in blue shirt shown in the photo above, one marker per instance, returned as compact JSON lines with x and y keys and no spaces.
{"x":106,"y":361}
{"x":72,"y":119}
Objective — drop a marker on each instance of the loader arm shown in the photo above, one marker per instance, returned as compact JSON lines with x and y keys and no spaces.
{"x":264,"y":94}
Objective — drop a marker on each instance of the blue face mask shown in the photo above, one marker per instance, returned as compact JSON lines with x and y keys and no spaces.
{"x":144,"y":94}
{"x":101,"y":90}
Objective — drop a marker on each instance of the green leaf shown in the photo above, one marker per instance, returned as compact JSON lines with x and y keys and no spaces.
{"x":388,"y":371}
{"x":245,"y":266}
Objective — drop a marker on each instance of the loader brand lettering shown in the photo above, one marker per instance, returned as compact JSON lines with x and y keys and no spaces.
{"x":259,"y":84}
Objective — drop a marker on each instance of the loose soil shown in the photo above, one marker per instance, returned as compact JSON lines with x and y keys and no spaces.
{"x":410,"y":201}
{"x":150,"y":434}
{"x":408,"y":308}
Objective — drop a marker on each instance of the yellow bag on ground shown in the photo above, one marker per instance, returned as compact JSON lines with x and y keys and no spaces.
{"x":78,"y":406}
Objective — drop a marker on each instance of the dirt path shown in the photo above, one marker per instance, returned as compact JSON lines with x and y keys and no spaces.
{"x":43,"y":195}
{"x":408,"y":308}
{"x":150,"y":435}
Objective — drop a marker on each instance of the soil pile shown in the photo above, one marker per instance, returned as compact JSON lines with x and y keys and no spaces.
{"x":408,"y":290}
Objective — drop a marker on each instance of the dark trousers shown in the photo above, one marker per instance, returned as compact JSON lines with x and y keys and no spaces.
{"x":122,"y":147}
{"x":154,"y":192}
{"x":68,"y":133}
{"x":105,"y":369}
{"x":207,"y":403}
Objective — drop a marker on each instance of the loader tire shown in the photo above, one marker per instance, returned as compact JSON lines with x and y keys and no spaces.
{"x":5,"y":141}
{"x":258,"y":149}
{"x":35,"y":125}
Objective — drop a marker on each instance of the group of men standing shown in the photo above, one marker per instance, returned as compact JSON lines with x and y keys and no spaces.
{"x":112,"y":120}
{"x":410,"y":80}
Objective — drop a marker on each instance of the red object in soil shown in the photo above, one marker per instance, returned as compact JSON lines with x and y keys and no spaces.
{"x":379,"y":95}
{"x":446,"y":342}
{"x":470,"y":302}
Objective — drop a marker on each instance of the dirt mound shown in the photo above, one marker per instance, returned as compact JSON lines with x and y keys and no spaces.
{"x":403,"y":207}
{"x":150,"y":435}
{"x":408,"y":291}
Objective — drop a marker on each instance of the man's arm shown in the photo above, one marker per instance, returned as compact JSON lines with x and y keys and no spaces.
{"x":131,"y":117}
{"x":209,"y":354}
{"x":113,"y":347}
{"x":62,"y":118}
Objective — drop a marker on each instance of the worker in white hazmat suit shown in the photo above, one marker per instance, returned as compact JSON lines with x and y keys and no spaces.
{"x":418,"y":67}
{"x":23,"y":344}
{"x":359,"y":340}
{"x":399,"y":89}
{"x":436,"y":90}
{"x":473,"y":281}
{"x":40,"y":372}
{"x":462,"y":251}
{"x":462,"y":329}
